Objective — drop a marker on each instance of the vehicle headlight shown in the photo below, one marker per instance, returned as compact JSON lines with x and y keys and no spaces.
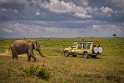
{"x":72,"y":51}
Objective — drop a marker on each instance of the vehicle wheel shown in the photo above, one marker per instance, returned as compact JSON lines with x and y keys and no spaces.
{"x":66,"y":53}
{"x":94,"y":56}
{"x":86,"y":55}
{"x":74,"y":55}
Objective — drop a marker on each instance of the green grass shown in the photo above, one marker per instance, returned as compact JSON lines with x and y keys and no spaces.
{"x":107,"y":68}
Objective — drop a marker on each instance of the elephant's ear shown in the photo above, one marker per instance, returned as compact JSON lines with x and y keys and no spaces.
{"x":35,"y":44}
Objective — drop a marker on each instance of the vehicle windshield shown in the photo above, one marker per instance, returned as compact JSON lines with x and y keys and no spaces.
{"x":86,"y":45}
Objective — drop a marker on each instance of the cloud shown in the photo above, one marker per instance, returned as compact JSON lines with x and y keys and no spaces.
{"x":37,"y":13}
{"x":14,"y":1}
{"x":30,"y":9}
{"x":4,"y":11}
{"x":7,"y":30}
{"x":106,"y":10}
{"x":103,"y":11}
{"x":108,"y":29}
{"x":51,"y":29}
{"x":65,"y":7}
{"x":61,"y":18}
{"x":28,"y":30}
{"x":119,"y":3}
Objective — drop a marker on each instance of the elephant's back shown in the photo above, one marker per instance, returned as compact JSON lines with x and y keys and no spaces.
{"x":20,"y":46}
{"x":19,"y":43}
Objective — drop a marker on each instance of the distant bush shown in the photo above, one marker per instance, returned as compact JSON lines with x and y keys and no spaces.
{"x":37,"y":71}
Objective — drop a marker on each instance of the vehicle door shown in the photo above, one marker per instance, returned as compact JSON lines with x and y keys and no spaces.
{"x":79,"y":48}
{"x":87,"y":47}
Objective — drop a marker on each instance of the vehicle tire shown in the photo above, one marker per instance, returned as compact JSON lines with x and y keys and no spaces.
{"x":86,"y":55}
{"x":66,"y":53}
{"x":74,"y":55}
{"x":94,"y":56}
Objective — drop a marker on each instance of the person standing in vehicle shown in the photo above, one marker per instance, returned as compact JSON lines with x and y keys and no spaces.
{"x":96,"y":50}
{"x":100,"y":49}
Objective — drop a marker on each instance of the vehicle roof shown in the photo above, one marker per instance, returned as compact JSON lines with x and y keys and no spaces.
{"x":86,"y":42}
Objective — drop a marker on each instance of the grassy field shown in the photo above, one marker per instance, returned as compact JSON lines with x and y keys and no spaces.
{"x":107,"y":68}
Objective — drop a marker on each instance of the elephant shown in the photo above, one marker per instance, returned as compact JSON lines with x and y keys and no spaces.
{"x":25,"y":46}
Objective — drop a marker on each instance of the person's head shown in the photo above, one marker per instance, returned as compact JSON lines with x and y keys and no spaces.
{"x":99,"y":45}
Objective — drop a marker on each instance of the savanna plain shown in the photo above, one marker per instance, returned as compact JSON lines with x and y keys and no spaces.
{"x":56,"y":68}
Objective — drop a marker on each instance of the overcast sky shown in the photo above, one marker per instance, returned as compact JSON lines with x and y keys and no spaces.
{"x":61,"y":18}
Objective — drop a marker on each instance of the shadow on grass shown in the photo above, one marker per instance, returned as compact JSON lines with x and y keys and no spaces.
{"x":97,"y":58}
{"x":78,"y":56}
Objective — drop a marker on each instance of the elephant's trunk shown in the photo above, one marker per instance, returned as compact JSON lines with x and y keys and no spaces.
{"x":41,"y":53}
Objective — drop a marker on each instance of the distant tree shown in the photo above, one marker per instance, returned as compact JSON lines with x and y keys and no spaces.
{"x":114,"y":35}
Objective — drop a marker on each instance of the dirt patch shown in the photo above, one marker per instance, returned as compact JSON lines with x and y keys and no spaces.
{"x":5,"y":53}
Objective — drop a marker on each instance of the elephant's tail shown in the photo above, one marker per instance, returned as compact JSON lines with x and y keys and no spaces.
{"x":9,"y":50}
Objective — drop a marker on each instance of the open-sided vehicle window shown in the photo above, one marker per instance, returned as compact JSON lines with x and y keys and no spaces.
{"x":86,"y":45}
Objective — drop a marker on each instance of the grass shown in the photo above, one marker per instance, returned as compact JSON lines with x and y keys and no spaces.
{"x":37,"y":71}
{"x":107,"y":68}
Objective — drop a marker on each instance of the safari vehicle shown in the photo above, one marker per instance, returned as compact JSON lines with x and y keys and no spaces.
{"x":85,"y":48}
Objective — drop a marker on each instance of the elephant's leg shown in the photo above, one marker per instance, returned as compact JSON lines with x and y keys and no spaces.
{"x":32,"y":55}
{"x":16,"y":56}
{"x":13,"y":55}
{"x":29,"y":57}
{"x":35,"y":59}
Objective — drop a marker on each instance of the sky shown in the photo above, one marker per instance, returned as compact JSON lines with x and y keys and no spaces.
{"x":61,"y":18}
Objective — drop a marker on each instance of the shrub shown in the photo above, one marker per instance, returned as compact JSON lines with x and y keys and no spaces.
{"x":37,"y":71}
